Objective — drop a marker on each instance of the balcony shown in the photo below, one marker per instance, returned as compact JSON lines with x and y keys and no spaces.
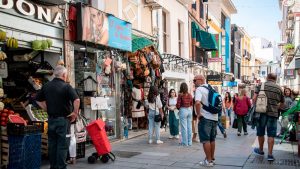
{"x":187,"y":2}
{"x":288,"y":59}
{"x":154,"y":3}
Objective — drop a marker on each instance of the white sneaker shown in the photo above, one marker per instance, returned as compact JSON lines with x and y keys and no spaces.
{"x":159,"y":142}
{"x":171,"y":137}
{"x":206,"y":163}
{"x":177,"y":136}
{"x":150,"y":141}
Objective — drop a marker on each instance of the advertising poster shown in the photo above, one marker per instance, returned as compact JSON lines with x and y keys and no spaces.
{"x":101,"y":28}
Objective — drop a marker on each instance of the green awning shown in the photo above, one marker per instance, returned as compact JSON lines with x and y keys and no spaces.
{"x":207,"y":40}
{"x":140,"y":42}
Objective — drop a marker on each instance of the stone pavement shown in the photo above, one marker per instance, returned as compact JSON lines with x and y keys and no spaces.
{"x":231,"y":153}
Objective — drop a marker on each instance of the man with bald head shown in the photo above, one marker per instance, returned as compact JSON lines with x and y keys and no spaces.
{"x":207,"y":125}
{"x":61,"y":102}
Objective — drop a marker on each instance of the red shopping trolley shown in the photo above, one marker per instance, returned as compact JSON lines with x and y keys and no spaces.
{"x":96,"y":130}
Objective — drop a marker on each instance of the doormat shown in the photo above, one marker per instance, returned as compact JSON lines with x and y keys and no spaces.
{"x":126,"y":154}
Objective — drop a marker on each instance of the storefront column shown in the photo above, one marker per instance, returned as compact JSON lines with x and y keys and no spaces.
{"x":119,"y":126}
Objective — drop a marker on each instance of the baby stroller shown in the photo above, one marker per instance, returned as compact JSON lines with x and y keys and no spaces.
{"x":96,"y":130}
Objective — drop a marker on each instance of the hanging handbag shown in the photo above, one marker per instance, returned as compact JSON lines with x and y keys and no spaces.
{"x":157,"y":117}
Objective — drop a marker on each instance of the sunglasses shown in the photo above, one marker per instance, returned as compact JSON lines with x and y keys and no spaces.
{"x":196,"y":80}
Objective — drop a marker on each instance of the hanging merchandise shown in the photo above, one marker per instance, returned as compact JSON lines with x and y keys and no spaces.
{"x":12,"y":43}
{"x":41,"y":44}
{"x":2,"y":35}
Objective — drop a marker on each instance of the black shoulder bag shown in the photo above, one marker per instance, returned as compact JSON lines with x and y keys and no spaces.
{"x":157,"y":117}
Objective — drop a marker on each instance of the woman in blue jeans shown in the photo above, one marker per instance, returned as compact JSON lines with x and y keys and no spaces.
{"x":155,"y":108}
{"x":184,"y":104}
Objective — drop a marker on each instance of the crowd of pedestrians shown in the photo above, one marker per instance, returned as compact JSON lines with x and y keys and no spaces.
{"x":190,"y":114}
{"x":187,"y":109}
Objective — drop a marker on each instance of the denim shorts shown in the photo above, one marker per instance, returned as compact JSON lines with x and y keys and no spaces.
{"x":269,"y":122}
{"x":207,"y":130}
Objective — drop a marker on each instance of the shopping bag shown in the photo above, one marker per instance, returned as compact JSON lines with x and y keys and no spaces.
{"x":235,"y":124}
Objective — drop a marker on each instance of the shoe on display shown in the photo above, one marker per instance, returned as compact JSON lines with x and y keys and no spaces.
{"x":258,"y":152}
{"x":206,"y":163}
{"x":159,"y":142}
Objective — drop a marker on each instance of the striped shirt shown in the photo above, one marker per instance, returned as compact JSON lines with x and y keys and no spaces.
{"x":275,"y":96}
{"x":184,"y":100}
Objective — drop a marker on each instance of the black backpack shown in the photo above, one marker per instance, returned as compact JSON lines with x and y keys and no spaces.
{"x":214,"y":101}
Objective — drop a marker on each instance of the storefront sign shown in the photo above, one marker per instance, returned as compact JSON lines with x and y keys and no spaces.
{"x":215,"y":59}
{"x":29,"y":9}
{"x":119,"y":33}
{"x":100,"y":28}
{"x":289,"y":74}
{"x":214,"y":79}
{"x":230,"y":83}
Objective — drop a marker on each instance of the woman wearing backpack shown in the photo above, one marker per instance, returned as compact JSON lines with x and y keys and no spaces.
{"x":184,"y":104}
{"x":241,"y":106}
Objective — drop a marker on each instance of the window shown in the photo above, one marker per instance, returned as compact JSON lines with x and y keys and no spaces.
{"x":164,"y":29}
{"x":223,"y":17}
{"x":194,"y":6}
{"x":201,"y":56}
{"x":180,"y":38}
{"x":201,"y":9}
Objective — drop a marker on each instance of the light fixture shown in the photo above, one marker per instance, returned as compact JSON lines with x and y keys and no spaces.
{"x":82,"y":48}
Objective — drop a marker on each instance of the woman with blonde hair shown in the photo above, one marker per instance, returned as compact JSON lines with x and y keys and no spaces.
{"x":241,"y":106}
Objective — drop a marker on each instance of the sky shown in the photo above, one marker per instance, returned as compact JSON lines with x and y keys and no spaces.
{"x":258,"y":17}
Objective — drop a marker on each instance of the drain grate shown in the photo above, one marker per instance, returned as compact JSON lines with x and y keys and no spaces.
{"x":282,"y":162}
{"x":126,"y":154}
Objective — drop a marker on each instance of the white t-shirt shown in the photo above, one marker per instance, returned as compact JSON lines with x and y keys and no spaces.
{"x":158,"y":104}
{"x":201,"y":95}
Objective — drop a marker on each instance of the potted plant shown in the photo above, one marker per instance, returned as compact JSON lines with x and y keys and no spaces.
{"x":289,"y":48}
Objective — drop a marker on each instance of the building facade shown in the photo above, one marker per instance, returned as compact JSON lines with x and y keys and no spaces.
{"x":290,"y":38}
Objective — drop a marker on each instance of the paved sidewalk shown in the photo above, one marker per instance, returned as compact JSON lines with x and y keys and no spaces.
{"x":231,"y":153}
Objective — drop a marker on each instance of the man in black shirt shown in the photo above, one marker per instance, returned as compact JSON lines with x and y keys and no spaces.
{"x":61,"y":102}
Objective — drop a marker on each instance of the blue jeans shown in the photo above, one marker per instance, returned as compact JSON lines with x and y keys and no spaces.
{"x":153,"y":125}
{"x":228,"y":113}
{"x":185,"y":116}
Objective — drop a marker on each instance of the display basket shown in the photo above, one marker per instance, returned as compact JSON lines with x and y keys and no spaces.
{"x":24,"y":151}
{"x":19,"y":129}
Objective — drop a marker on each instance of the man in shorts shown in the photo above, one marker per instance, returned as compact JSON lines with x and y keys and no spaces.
{"x":275,"y":100}
{"x":207,"y":125}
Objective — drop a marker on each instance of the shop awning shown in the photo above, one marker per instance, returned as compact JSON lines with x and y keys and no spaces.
{"x":207,"y":40}
{"x":139,"y":42}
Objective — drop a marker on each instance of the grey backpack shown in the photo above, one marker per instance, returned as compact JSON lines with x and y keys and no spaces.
{"x":261,"y":100}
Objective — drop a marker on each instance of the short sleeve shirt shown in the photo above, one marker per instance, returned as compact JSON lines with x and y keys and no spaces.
{"x":158,"y":104}
{"x":59,"y":97}
{"x":274,"y":95}
{"x":201,"y":95}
